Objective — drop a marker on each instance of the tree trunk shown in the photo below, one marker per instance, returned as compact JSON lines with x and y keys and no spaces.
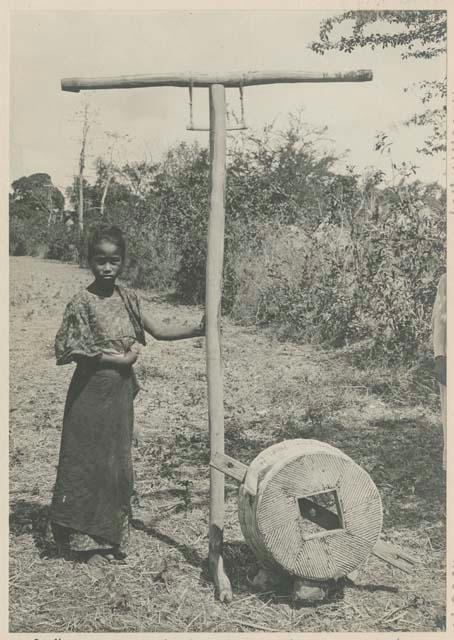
{"x":104,"y":194}
{"x":80,"y":208}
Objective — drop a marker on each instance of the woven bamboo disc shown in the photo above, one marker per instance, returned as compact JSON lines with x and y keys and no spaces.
{"x":272,"y":523}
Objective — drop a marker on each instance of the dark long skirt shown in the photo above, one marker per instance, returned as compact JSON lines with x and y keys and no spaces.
{"x":94,"y":483}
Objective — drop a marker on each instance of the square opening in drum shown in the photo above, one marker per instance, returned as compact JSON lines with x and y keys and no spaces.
{"x":320,"y":514}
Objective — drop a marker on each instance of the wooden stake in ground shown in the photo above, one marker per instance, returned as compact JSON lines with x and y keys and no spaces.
{"x":215,"y":260}
{"x":216,"y":85}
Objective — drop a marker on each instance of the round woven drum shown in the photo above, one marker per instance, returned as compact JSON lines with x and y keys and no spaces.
{"x":272,"y":521}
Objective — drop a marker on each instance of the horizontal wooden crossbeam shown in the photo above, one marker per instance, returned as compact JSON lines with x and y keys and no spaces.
{"x":238,"y":79}
{"x":237,"y":470}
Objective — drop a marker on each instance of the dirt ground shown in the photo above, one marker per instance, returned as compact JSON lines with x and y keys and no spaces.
{"x":273,"y":391}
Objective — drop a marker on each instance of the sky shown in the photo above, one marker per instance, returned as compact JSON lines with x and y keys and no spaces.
{"x":45,"y":47}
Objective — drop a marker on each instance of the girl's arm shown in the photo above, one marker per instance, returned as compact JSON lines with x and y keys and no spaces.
{"x":160,"y":332}
{"x":114,"y":360}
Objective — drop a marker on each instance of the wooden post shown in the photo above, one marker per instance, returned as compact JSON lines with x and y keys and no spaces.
{"x":215,"y":259}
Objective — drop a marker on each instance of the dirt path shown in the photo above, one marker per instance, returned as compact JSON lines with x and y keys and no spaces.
{"x":273,"y":391}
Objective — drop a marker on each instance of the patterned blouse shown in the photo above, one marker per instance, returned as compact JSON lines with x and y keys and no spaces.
{"x":93,"y":325}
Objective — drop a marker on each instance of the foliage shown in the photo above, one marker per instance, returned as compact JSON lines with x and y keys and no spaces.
{"x":310,"y":253}
{"x":34,"y":203}
{"x":371,"y":274}
{"x":279,"y":174}
{"x":421,"y":34}
{"x":28,"y":215}
{"x":184,"y":195}
{"x":436,"y":120}
{"x":418,"y":34}
{"x":24,"y":237}
{"x":62,"y":243}
{"x":37,"y":193}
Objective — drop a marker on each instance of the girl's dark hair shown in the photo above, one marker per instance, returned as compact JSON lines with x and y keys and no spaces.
{"x":104,"y":232}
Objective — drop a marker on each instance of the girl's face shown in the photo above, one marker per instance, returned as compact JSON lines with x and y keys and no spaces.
{"x":106,"y":262}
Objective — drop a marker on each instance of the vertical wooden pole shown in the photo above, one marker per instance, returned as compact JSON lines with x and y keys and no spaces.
{"x":215,"y":258}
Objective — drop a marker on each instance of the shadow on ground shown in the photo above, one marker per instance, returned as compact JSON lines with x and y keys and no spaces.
{"x":33,"y":518}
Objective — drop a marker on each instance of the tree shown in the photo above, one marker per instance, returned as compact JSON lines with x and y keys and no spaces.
{"x":109,"y":167}
{"x":418,"y":34}
{"x":37,"y":193}
{"x":279,"y":175}
{"x":34,"y":204}
{"x":85,"y":128}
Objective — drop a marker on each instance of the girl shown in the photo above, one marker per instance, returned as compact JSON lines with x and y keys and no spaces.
{"x":101,"y":330}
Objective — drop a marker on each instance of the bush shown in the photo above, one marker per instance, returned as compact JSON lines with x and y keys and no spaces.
{"x":373,"y":277}
{"x":19,"y":241}
{"x":62,"y":243}
{"x":311,"y":254}
{"x":152,"y":262}
{"x":403,"y":259}
{"x":25,"y":237}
